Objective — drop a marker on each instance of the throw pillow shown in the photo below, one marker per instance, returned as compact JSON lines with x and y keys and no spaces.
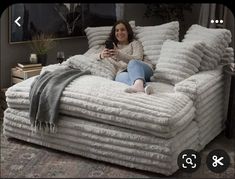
{"x":178,"y":61}
{"x":216,"y":40}
{"x":153,"y":37}
{"x":103,"y":68}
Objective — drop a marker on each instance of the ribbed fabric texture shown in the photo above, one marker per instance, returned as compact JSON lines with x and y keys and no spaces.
{"x":106,"y":142}
{"x":138,"y":143}
{"x":206,"y":89}
{"x":152,"y":38}
{"x":105,"y":101}
{"x":178,"y":61}
{"x":217,"y":40}
{"x":103,"y":68}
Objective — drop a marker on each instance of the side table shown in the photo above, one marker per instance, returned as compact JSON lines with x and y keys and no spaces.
{"x":230,"y":122}
{"x":21,"y":75}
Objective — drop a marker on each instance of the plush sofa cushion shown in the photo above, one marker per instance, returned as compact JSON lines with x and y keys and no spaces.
{"x":103,"y":68}
{"x":217,"y":40}
{"x":178,"y":61}
{"x":152,"y":38}
{"x":97,"y":35}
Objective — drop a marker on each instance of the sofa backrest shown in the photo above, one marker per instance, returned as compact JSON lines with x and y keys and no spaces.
{"x":153,"y":37}
{"x":215,"y":49}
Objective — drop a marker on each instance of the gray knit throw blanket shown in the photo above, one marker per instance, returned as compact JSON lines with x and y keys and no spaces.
{"x":45,"y":94}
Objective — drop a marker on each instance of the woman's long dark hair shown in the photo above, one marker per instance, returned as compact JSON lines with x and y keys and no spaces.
{"x":112,"y":36}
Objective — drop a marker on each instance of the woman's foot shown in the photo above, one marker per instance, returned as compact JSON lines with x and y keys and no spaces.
{"x":130,"y":90}
{"x":133,"y":90}
{"x":148,"y":89}
{"x":138,"y":86}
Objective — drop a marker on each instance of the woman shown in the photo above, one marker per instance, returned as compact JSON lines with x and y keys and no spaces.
{"x":128,"y":55}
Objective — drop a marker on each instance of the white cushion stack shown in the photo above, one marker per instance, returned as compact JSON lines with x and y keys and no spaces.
{"x":178,"y":61}
{"x":217,"y":40}
{"x":98,"y":35}
{"x":153,"y":37}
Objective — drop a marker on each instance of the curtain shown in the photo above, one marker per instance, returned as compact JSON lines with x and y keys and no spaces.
{"x":214,"y":11}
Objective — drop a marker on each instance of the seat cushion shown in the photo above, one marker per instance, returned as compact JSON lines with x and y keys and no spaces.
{"x":99,"y":99}
{"x":161,"y":87}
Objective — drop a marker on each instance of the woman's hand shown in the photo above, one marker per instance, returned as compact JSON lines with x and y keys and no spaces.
{"x":105,"y":53}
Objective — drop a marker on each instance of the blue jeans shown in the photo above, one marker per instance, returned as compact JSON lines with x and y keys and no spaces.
{"x":136,"y":69}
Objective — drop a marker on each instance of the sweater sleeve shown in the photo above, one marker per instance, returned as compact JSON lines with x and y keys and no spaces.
{"x":137,"y":53}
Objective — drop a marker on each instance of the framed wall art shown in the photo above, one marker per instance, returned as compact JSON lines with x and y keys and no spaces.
{"x":61,"y":20}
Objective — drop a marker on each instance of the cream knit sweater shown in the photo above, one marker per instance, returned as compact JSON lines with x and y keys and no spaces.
{"x":131,"y":51}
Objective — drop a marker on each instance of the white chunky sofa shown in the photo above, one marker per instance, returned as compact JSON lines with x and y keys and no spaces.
{"x":99,"y":120}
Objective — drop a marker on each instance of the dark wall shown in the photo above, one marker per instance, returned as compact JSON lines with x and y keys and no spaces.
{"x":0,"y":54}
{"x":136,"y":11}
{"x":12,"y":54}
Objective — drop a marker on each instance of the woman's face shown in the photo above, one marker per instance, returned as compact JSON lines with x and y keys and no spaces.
{"x":121,"y":33}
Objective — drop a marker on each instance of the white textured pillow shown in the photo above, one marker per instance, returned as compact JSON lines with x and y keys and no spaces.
{"x":216,"y":40}
{"x":97,"y":35}
{"x":103,"y":68}
{"x":178,"y":61}
{"x":153,"y":37}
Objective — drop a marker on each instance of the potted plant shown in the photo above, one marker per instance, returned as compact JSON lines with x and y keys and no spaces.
{"x":41,"y":44}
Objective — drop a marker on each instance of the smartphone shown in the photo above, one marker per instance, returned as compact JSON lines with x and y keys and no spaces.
{"x":109,"y":44}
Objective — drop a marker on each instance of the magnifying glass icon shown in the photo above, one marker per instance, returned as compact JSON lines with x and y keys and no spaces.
{"x":189,"y":161}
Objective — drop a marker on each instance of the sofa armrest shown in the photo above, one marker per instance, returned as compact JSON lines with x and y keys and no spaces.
{"x":199,"y":83}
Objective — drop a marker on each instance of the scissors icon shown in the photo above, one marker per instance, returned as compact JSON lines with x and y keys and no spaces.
{"x":217,"y":161}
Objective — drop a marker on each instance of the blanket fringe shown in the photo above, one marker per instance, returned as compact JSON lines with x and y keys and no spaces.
{"x":43,"y":127}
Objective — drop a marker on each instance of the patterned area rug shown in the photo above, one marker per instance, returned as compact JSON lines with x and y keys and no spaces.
{"x":24,"y":160}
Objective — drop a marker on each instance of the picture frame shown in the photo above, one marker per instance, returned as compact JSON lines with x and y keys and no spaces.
{"x":62,"y":20}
